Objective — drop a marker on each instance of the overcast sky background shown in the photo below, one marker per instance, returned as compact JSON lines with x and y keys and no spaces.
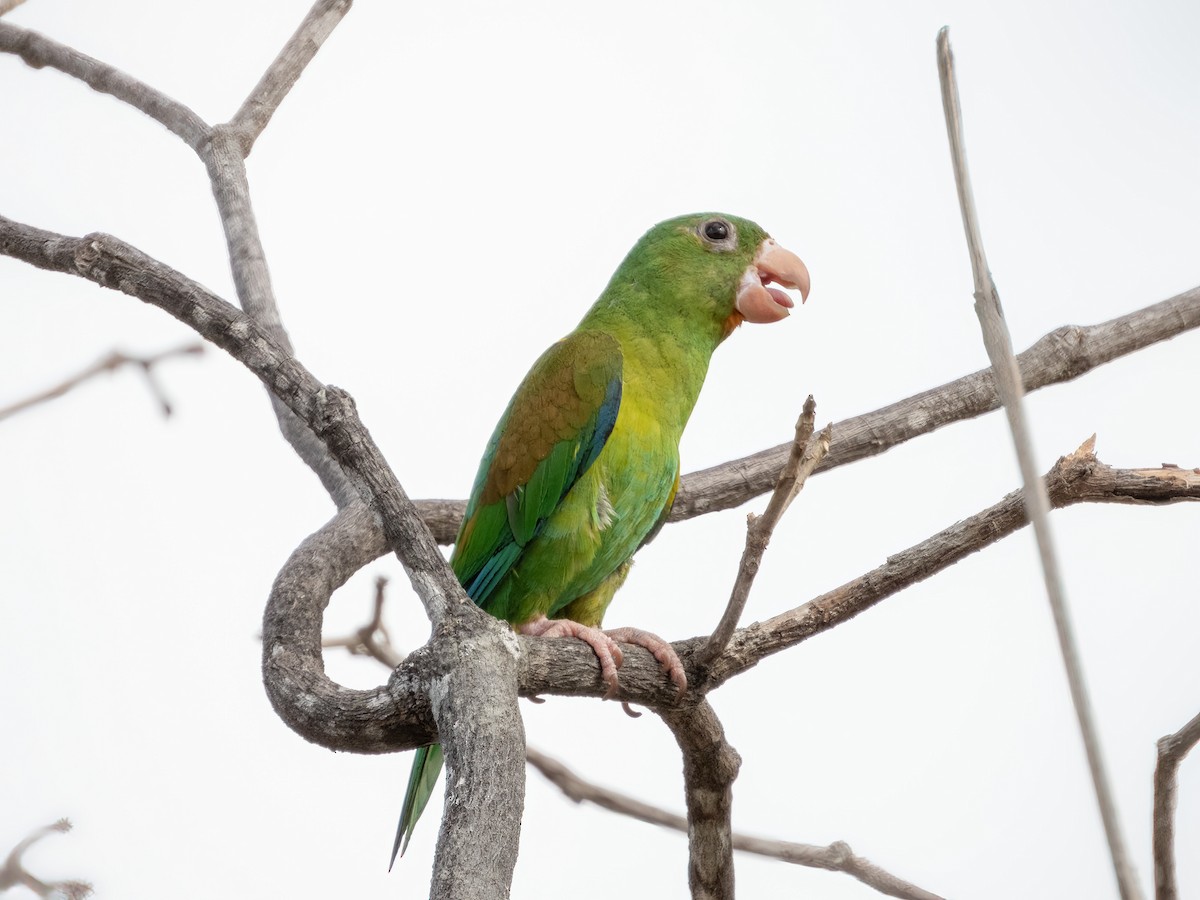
{"x":443,"y":194}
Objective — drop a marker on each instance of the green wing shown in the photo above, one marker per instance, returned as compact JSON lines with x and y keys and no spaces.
{"x":554,"y":428}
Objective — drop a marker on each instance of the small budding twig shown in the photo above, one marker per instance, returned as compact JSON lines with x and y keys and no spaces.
{"x":109,"y":363}
{"x":804,"y":458}
{"x":1008,"y":384}
{"x":13,"y":872}
{"x":373,"y":639}
{"x":1171,"y":751}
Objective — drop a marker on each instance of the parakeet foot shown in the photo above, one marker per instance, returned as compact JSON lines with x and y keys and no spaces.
{"x":663,"y":652}
{"x":602,"y":645}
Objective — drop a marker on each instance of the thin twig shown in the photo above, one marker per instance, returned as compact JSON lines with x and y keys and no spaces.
{"x":836,"y":857}
{"x":550,"y":667}
{"x":1008,"y":381}
{"x":277,"y":81}
{"x":1076,"y":478}
{"x":1171,"y":751}
{"x":7,"y":6}
{"x":373,"y":639}
{"x":108,"y":363}
{"x":803,"y":459}
{"x":13,"y":872}
{"x":38,"y":50}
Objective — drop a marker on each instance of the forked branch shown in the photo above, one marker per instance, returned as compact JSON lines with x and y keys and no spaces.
{"x":804,"y":458}
{"x":14,"y":873}
{"x":109,"y":363}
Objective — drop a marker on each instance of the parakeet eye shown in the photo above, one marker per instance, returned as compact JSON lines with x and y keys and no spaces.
{"x":715,"y":230}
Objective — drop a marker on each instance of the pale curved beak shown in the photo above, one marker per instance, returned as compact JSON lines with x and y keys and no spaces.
{"x":772,"y":264}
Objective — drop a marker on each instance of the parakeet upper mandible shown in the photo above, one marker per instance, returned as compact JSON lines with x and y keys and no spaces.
{"x":584,"y":463}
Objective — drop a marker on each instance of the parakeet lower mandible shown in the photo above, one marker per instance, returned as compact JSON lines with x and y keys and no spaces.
{"x":584,"y":464}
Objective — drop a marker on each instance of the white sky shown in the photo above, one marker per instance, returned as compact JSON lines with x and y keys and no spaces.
{"x":443,"y":194}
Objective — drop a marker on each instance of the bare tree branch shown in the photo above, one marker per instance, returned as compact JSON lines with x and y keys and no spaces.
{"x":222,"y":149}
{"x":471,"y":661}
{"x":1062,"y":355}
{"x":373,"y":640}
{"x":256,"y":111}
{"x":252,"y":280}
{"x":110,"y":362}
{"x":39,"y":51}
{"x":546,"y":667}
{"x":1171,"y":751}
{"x":709,"y":767}
{"x":836,"y":857}
{"x":9,"y":5}
{"x":800,"y":465}
{"x":467,"y":673}
{"x":13,"y":872}
{"x":457,"y":684}
{"x":998,"y":343}
{"x":1077,"y":478}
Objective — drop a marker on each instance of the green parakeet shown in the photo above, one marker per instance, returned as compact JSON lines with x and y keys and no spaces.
{"x":583,"y":465}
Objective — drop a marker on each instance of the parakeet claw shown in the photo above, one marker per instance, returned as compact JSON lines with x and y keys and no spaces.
{"x":602,"y":645}
{"x":663,"y":652}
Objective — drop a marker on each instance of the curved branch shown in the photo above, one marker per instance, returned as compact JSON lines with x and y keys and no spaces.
{"x":372,"y":721}
{"x":39,"y":51}
{"x":545,"y":666}
{"x":470,"y":664}
{"x":109,"y":363}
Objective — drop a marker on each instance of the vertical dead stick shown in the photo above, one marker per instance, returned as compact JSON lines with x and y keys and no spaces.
{"x":804,"y":458}
{"x":1008,"y":384}
{"x":1171,"y":751}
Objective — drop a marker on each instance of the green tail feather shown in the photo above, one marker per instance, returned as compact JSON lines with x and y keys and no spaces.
{"x":427,"y":765}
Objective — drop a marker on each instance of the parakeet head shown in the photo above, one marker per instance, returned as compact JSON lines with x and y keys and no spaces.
{"x":705,"y":271}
